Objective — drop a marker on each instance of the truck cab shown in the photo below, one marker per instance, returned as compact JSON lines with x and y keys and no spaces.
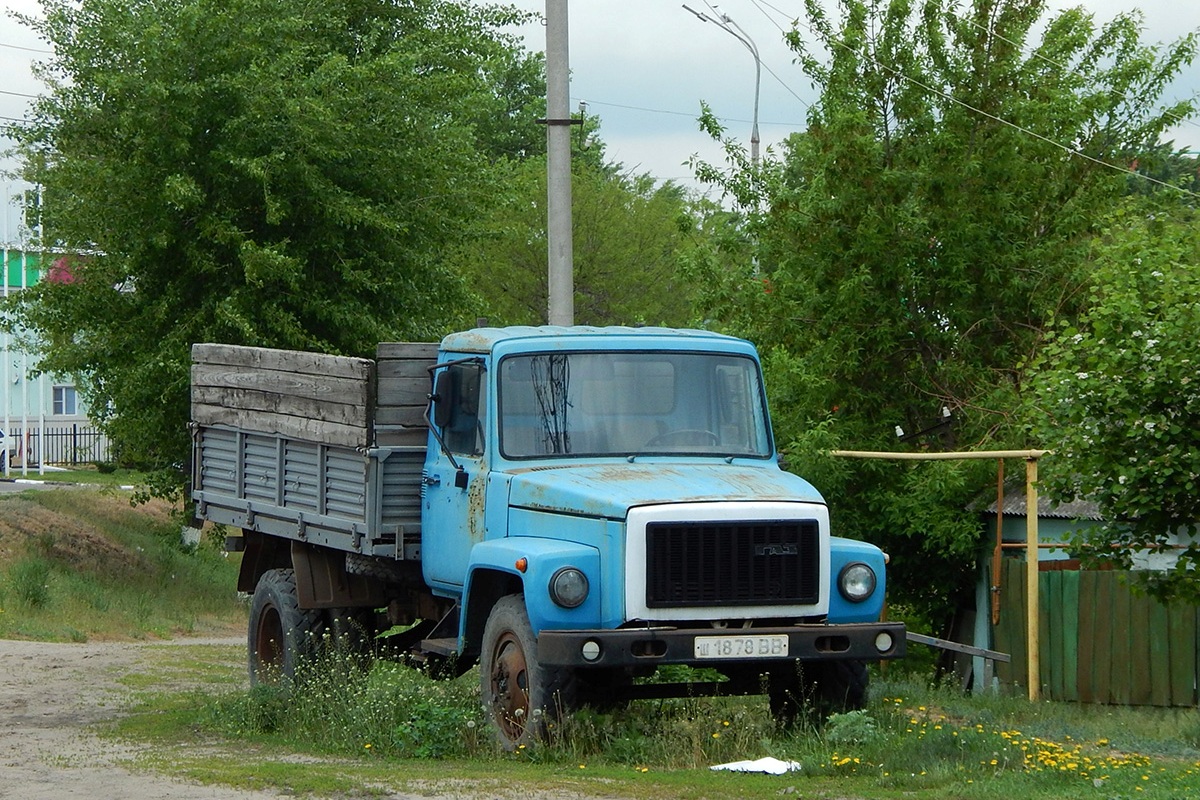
{"x":616,"y":492}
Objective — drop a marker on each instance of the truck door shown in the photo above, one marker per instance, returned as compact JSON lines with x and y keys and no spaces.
{"x":455,"y":478}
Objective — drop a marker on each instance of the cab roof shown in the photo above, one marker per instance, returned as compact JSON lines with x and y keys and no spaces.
{"x":484,"y":340}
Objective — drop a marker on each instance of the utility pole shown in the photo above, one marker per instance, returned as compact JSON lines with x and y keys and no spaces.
{"x":561,"y":281}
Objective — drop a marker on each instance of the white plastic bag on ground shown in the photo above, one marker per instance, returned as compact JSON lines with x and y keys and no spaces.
{"x":771,"y":766}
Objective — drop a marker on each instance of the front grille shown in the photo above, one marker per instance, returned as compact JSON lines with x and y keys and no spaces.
{"x":732,"y":563}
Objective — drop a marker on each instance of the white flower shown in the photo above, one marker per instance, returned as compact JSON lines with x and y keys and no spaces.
{"x":1083,"y":376}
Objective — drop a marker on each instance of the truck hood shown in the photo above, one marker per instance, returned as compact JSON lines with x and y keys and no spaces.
{"x":610,"y":490}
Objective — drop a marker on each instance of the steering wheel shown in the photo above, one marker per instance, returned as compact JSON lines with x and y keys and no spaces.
{"x":684,"y":436}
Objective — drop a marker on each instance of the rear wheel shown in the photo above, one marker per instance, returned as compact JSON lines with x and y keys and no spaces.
{"x":521,"y":697}
{"x":281,"y":634}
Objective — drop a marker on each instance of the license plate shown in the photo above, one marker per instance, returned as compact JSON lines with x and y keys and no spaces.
{"x":723,"y":647}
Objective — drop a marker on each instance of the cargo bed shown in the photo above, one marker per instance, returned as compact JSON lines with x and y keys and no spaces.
{"x":322,"y":449}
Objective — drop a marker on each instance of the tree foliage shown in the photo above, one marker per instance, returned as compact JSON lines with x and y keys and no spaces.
{"x":628,"y":237}
{"x":1119,"y":392}
{"x":919,"y":236}
{"x":263,"y":172}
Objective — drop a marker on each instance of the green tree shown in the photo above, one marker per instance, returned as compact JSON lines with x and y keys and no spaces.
{"x":920,"y":234}
{"x":1119,"y":393}
{"x":263,"y":172}
{"x":628,"y":237}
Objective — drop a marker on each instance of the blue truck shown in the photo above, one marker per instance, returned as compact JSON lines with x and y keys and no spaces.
{"x":570,"y":508}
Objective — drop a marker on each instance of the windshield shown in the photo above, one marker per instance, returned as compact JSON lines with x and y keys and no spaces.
{"x":623,"y":403}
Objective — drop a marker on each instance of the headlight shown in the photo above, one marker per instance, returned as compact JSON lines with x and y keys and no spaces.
{"x":569,"y":587}
{"x":856,"y":582}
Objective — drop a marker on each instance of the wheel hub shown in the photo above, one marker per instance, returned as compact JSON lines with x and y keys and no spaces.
{"x":510,"y":687}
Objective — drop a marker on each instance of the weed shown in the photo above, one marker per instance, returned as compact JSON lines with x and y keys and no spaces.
{"x":29,"y":579}
{"x":339,"y":703}
{"x":853,"y":727}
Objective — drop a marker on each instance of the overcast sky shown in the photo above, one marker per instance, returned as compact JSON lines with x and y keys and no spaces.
{"x":644,"y":66}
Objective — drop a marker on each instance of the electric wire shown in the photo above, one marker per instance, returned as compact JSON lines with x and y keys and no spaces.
{"x":26,"y":49}
{"x":1032,"y":53}
{"x":690,"y":114}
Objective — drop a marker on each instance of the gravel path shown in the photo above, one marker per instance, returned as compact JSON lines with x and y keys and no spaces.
{"x":49,"y":696}
{"x":52,"y":694}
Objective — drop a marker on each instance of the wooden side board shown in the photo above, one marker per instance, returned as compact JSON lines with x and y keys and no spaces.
{"x":337,"y":400}
{"x":402,"y":370}
{"x":309,"y":396}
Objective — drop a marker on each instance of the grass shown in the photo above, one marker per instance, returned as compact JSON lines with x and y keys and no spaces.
{"x":353,"y":729}
{"x":82,"y":564}
{"x":91,"y":476}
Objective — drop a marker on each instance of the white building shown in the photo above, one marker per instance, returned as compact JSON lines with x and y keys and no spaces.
{"x":42,"y":417}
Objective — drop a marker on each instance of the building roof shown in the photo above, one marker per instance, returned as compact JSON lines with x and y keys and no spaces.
{"x":1014,"y":506}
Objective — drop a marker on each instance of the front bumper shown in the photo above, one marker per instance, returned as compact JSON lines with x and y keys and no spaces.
{"x":650,"y":646}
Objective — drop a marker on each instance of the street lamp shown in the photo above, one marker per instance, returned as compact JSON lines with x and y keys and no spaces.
{"x":725,"y":23}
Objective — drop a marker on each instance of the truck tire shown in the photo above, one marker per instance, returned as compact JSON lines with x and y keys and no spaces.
{"x":816,"y":689}
{"x":385,"y":570}
{"x":521,"y":696}
{"x":281,"y":634}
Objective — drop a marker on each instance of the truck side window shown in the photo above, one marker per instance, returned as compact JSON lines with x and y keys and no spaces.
{"x":461,"y":412}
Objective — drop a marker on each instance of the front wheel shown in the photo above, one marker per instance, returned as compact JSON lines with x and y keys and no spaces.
{"x":281,"y":634}
{"x":521,"y":697}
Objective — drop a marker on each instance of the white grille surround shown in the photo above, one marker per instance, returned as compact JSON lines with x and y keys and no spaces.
{"x":636,"y":608}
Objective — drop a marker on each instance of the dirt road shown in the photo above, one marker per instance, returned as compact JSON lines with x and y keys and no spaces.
{"x":52,"y":695}
{"x":49,"y":696}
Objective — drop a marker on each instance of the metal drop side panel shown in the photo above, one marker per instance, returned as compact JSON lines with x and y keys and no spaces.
{"x":337,"y":497}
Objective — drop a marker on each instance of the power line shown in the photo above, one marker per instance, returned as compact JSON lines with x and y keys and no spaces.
{"x":26,"y":49}
{"x":19,"y":94}
{"x":690,"y":114}
{"x":1065,"y":67}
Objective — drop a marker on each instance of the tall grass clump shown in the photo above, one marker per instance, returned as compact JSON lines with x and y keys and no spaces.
{"x":342,"y":703}
{"x":29,"y":582}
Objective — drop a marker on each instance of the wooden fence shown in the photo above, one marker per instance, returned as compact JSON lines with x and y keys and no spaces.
{"x":1100,"y":642}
